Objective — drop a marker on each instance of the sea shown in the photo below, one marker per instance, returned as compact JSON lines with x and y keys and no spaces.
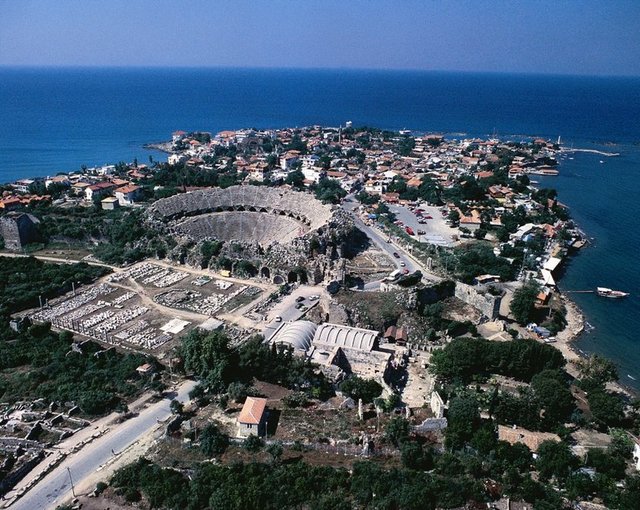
{"x":59,"y":119}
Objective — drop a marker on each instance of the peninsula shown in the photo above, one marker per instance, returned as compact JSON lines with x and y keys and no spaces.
{"x":339,"y":307}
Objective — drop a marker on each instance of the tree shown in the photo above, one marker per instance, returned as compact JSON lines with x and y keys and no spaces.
{"x":463,"y":420}
{"x":551,"y":390}
{"x":397,"y":430}
{"x":607,"y":408}
{"x":238,"y":391}
{"x":176,"y":406}
{"x":295,"y":179}
{"x":522,"y":305}
{"x":210,"y":358}
{"x":358,"y":388}
{"x":597,"y":369}
{"x":213,"y":441}
{"x":253,"y":443}
{"x":330,"y":191}
{"x":555,"y":460}
{"x":416,"y":456}
{"x":454,"y":217}
{"x":275,"y":450}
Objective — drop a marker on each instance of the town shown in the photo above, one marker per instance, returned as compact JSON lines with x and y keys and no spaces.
{"x":355,"y":299}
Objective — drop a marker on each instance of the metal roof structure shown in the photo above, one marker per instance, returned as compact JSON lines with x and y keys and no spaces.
{"x":334,"y":335}
{"x":297,"y":334}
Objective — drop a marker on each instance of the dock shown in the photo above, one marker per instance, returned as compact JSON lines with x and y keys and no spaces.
{"x":591,"y":151}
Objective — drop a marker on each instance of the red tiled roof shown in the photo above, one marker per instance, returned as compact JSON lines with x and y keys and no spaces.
{"x":252,"y":410}
{"x":128,"y":189}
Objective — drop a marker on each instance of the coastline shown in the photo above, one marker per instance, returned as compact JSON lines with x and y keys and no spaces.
{"x":565,"y":338}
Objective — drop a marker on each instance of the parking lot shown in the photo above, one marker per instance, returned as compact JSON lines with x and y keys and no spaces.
{"x":292,"y":307}
{"x":436,"y":231}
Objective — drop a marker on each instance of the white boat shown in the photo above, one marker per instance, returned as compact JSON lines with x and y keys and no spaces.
{"x":608,"y":293}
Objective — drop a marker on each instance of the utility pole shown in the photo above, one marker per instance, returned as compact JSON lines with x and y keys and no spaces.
{"x":73,"y":490}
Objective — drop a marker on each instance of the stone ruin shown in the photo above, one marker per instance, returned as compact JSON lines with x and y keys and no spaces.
{"x":288,"y":236}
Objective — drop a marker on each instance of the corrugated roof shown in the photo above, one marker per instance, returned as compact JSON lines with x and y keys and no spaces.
{"x":298,"y":334}
{"x":345,"y":336}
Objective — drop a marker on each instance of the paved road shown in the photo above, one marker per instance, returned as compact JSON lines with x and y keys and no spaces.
{"x":55,"y":488}
{"x":381,"y":242}
{"x":404,"y":261}
{"x":59,"y":260}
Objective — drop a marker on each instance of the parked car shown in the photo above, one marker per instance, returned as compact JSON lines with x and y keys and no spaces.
{"x":299,"y":298}
{"x":395,"y":254}
{"x":402,"y":264}
{"x":405,"y":271}
{"x":278,"y":318}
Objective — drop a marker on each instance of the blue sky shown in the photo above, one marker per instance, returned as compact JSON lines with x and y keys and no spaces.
{"x":535,"y":36}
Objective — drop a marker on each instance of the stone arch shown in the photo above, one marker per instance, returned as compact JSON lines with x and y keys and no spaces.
{"x":240,"y":208}
{"x":278,"y":279}
{"x":292,"y":277}
{"x":265,"y":272}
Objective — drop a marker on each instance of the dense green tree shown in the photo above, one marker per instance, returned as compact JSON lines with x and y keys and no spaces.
{"x":463,"y":419}
{"x":295,"y":179}
{"x":213,"y":441}
{"x":397,"y":430}
{"x":464,"y":358}
{"x":607,"y":408}
{"x":416,"y":456}
{"x":555,"y":460}
{"x":522,"y":305}
{"x":210,"y":358}
{"x":329,"y":191}
{"x":358,"y":388}
{"x":597,"y":370}
{"x":253,"y":443}
{"x":551,"y":390}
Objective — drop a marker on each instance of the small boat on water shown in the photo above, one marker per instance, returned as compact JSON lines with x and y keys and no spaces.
{"x":608,"y":293}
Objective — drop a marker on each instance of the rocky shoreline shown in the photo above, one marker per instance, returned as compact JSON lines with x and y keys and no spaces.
{"x":573,"y":330}
{"x":166,"y":147}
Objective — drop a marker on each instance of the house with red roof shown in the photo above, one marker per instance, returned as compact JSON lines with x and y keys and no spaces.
{"x":253,"y":417}
{"x":128,"y":194}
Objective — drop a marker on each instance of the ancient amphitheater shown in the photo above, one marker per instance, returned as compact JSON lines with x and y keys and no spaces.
{"x":250,"y":214}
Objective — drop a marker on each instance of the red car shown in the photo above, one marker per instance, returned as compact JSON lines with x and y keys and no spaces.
{"x":405,"y":271}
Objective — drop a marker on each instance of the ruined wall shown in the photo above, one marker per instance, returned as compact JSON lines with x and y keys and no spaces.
{"x":10,"y":234}
{"x":479,"y":298}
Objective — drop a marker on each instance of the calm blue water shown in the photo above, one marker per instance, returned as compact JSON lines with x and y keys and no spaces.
{"x":57,"y":120}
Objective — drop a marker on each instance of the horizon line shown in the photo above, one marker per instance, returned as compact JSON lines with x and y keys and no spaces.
{"x":290,"y":68}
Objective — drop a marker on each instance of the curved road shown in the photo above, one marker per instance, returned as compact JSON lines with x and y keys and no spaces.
{"x":55,"y":488}
{"x":351,"y":204}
